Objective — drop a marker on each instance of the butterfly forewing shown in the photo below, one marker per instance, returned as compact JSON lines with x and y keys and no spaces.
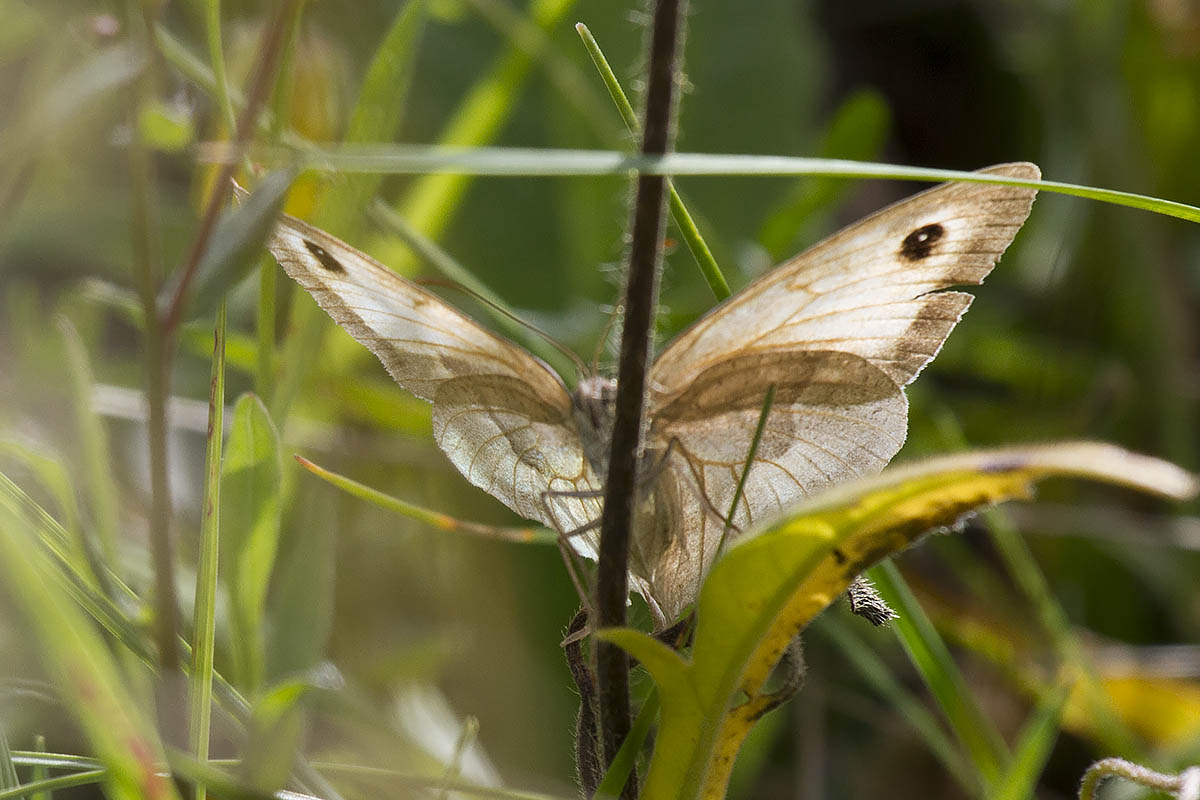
{"x":500,"y":414}
{"x":867,"y":289}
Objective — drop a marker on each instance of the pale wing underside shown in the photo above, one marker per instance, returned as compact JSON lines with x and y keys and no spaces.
{"x":502,"y":416}
{"x":835,"y":416}
{"x":867,"y":289}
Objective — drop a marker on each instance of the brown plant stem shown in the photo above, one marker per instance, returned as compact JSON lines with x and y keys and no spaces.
{"x":641,"y":299}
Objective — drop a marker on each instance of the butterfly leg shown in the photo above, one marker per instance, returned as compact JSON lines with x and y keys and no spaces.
{"x":588,"y":764}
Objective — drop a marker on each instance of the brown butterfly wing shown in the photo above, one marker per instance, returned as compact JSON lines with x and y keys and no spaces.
{"x":501,"y":415}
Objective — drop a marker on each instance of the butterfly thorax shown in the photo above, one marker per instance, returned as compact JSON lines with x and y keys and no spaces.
{"x":593,"y":404}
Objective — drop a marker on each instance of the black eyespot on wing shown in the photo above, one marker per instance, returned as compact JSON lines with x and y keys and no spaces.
{"x":321,"y":254}
{"x":919,"y":244}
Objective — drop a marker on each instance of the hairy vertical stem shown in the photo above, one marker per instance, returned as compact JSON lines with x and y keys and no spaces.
{"x":641,"y":298}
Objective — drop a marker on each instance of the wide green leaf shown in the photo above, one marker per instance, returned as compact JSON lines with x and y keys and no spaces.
{"x":767,"y":589}
{"x":251,"y":505}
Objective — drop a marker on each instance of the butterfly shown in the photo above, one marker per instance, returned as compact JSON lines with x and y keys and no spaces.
{"x":838,"y":331}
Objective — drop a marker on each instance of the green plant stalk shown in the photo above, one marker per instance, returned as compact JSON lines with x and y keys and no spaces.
{"x":932,"y":659}
{"x":562,"y":73}
{"x":908,"y":708}
{"x":97,"y":460}
{"x":204,"y":619}
{"x":679,"y":212}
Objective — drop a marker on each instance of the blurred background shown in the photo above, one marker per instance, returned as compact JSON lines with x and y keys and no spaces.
{"x":1087,"y":329}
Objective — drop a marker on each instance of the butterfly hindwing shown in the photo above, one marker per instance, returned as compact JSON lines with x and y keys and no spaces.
{"x":501,"y":415}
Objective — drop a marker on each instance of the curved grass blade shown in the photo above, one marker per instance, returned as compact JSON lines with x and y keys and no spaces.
{"x":82,"y":668}
{"x":518,"y":161}
{"x":434,"y":518}
{"x":679,"y":212}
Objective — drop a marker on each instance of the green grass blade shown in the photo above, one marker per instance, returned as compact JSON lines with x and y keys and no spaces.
{"x":376,"y":117}
{"x":625,"y":759}
{"x":929,"y":654}
{"x":205,"y":614}
{"x":506,"y":319}
{"x":1033,"y":747}
{"x":517,"y":161}
{"x":679,"y":212}
{"x":93,"y":441}
{"x":433,"y":518}
{"x":8,"y":770}
{"x":82,"y":668}
{"x":47,"y":785}
{"x":216,"y":57}
{"x":907,"y":706}
{"x":382,"y":101}
{"x":252,"y":507}
{"x":431,"y":203}
{"x":48,"y":469}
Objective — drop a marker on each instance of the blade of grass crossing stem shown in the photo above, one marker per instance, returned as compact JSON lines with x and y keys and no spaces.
{"x":907,"y":707}
{"x":975,"y":732}
{"x":768,"y":401}
{"x":83,"y":669}
{"x":204,"y":626}
{"x":1033,"y":748}
{"x":93,"y":440}
{"x":683,"y":218}
{"x":38,"y":771}
{"x":623,"y":764}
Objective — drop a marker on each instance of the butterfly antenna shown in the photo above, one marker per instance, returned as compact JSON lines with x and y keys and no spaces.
{"x":504,"y":312}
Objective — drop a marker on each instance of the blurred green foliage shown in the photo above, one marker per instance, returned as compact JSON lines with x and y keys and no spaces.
{"x":1087,"y":329}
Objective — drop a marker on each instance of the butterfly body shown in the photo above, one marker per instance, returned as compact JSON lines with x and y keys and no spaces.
{"x":837,"y":331}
